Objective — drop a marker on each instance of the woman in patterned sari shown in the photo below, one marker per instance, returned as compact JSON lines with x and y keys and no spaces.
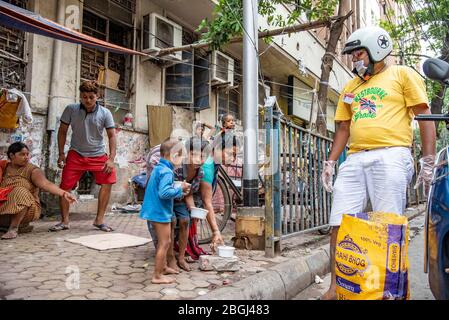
{"x":20,"y":182}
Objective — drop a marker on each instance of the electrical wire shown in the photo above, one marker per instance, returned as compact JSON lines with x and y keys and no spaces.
{"x":29,"y":95}
{"x":239,"y":75}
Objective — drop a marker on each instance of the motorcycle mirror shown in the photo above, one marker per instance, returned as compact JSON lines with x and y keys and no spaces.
{"x":436,"y":69}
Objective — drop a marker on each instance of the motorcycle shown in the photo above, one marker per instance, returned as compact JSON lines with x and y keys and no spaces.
{"x":436,"y":251}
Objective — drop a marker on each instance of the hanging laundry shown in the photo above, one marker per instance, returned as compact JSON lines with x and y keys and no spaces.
{"x":8,"y":111}
{"x":13,"y":105}
{"x":24,"y":109}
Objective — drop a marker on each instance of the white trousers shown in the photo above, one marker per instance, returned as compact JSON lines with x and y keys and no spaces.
{"x":382,"y":174}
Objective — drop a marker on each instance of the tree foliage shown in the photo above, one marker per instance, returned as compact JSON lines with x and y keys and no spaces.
{"x":427,"y":25}
{"x":227,"y":20}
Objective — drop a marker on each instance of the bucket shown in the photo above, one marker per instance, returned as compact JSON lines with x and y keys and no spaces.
{"x":198,"y":213}
{"x":226,"y":251}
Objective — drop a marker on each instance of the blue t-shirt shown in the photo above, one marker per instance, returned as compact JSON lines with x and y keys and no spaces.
{"x":160,"y":194}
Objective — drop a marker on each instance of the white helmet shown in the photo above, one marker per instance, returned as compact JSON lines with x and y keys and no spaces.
{"x":375,"y":40}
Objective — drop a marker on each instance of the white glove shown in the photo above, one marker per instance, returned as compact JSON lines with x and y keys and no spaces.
{"x":327,"y":175}
{"x":426,"y":173}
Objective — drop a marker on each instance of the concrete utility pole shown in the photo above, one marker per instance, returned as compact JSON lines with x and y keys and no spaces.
{"x":250,"y":103}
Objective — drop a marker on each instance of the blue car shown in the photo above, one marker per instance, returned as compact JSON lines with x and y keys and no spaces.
{"x":437,"y":229}
{"x":437,"y":219}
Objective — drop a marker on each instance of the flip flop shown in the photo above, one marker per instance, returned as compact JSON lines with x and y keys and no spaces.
{"x":59,"y":227}
{"x":103,"y":227}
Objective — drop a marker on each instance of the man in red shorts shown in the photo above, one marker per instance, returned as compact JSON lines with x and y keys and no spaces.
{"x":87,"y":151}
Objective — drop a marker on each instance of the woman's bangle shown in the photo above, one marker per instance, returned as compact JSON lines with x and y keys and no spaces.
{"x":216,"y":232}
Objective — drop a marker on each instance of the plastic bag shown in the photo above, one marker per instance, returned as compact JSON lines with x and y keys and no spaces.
{"x":372,"y":257}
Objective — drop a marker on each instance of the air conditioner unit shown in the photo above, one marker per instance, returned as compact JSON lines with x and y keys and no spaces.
{"x":160,"y":33}
{"x":222,"y":68}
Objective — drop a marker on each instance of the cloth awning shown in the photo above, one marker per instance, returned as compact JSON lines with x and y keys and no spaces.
{"x":15,"y":17}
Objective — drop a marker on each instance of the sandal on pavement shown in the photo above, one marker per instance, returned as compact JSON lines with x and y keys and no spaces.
{"x":59,"y":227}
{"x":103,"y":227}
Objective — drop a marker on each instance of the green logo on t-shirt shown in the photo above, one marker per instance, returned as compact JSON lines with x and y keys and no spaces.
{"x":368,"y":103}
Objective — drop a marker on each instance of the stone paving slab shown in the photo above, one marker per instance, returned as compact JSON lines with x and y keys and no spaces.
{"x":42,"y":265}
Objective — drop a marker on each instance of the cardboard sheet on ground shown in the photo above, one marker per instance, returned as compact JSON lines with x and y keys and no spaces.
{"x":109,"y":241}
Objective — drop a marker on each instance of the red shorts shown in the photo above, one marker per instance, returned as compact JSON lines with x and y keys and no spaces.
{"x":76,"y":165}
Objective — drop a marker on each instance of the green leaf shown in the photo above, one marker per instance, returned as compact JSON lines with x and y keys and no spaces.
{"x":228,"y":16}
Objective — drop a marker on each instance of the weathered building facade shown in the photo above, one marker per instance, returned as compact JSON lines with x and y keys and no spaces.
{"x":163,"y":95}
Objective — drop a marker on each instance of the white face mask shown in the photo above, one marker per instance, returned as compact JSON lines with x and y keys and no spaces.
{"x":360,"y":68}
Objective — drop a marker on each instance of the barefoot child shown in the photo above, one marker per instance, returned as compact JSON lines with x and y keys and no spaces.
{"x":158,"y":205}
{"x":191,"y":171}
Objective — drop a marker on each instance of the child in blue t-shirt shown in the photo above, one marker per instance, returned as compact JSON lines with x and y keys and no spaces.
{"x":157,"y":206}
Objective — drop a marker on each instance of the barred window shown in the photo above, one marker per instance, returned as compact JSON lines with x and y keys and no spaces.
{"x":12,"y":54}
{"x":111,"y":70}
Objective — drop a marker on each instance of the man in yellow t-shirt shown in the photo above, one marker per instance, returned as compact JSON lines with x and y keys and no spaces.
{"x":375,"y":114}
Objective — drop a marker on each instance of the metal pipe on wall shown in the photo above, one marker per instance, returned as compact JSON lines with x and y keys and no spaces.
{"x":55,"y":71}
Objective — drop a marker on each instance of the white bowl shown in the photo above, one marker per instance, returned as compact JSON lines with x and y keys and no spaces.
{"x":198,"y":213}
{"x":226,"y":251}
{"x":177,"y":184}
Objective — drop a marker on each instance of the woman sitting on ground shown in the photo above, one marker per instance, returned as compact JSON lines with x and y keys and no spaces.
{"x":20,"y":182}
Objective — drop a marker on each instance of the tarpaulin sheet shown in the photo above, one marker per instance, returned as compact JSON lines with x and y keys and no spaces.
{"x":15,"y":17}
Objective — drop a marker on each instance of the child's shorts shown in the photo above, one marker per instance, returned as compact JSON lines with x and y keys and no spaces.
{"x":181,"y":212}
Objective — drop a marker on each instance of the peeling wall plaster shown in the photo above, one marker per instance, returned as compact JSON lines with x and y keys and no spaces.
{"x":33,"y":135}
{"x":131,"y":147}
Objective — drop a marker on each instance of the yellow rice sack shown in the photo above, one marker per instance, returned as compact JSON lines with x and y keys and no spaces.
{"x":372,"y":257}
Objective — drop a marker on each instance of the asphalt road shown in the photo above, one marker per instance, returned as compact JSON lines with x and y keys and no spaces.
{"x":419,"y":284}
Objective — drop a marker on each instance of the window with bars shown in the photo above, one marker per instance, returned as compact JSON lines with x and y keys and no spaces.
{"x":12,"y":54}
{"x":126,"y":4}
{"x":229,"y":102}
{"x":112,"y":70}
{"x":187,"y":84}
{"x":119,"y":10}
{"x":229,"y":99}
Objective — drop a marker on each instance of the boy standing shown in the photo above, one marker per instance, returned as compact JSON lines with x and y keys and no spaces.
{"x":191,"y":172}
{"x":157,"y":206}
{"x":88,"y":120}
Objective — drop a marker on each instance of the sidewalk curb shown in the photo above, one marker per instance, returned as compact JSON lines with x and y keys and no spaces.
{"x":420,"y":212}
{"x":283,"y":281}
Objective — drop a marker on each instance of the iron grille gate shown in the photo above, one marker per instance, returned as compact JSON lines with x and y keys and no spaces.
{"x":295,"y":200}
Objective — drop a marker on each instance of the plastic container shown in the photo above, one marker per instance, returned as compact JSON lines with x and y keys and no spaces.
{"x":128,"y":120}
{"x":226,"y":251}
{"x":198,"y":213}
{"x":177,"y":184}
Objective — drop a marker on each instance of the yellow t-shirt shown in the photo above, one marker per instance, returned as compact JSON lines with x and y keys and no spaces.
{"x":380,"y":112}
